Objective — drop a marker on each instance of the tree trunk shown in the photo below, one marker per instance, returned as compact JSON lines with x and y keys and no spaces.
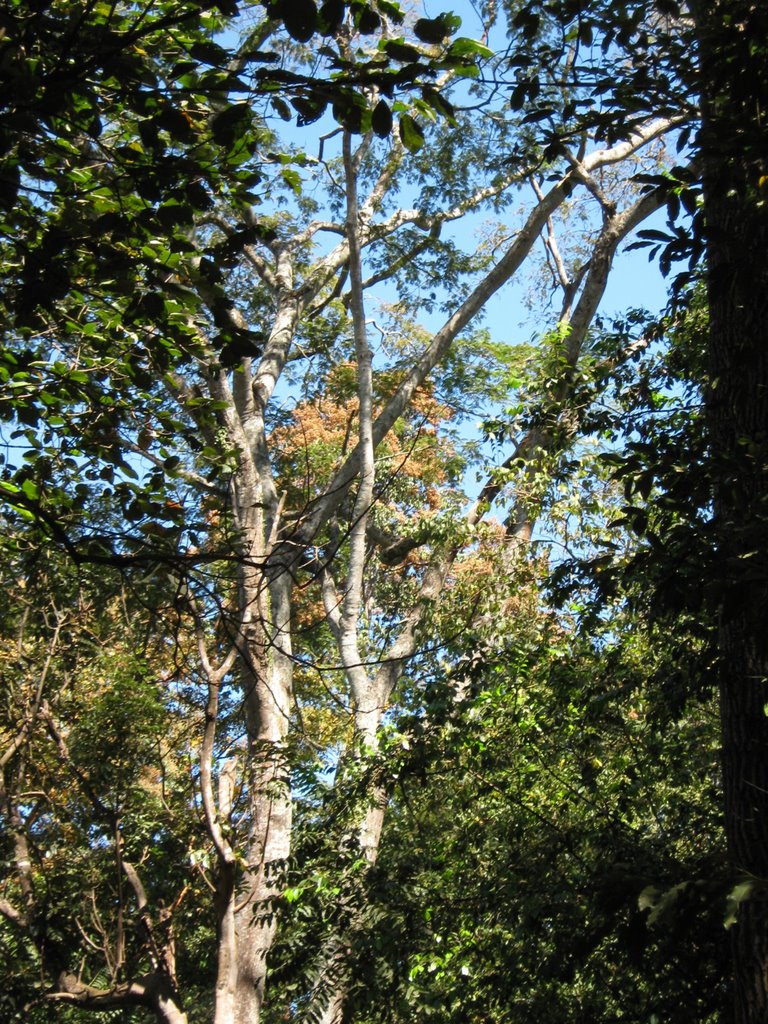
{"x":266,"y":680}
{"x":250,"y":877}
{"x":335,"y":975}
{"x":732,"y":36}
{"x":246,"y":892}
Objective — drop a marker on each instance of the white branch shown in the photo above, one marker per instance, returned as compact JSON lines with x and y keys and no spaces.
{"x":441,"y":342}
{"x":350,"y":607}
{"x":647,"y":133}
{"x":438,"y":348}
{"x":12,"y":914}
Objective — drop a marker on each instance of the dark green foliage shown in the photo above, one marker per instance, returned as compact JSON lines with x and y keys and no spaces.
{"x":553,"y":848}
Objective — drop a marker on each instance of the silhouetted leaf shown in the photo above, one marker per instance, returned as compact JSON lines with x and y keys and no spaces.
{"x":381,"y":119}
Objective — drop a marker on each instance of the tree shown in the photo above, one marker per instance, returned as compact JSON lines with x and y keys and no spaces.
{"x":93,"y":775}
{"x":729,"y":161}
{"x":733,"y":157}
{"x":556,"y":832}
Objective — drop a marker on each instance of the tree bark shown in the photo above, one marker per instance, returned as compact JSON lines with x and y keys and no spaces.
{"x":266,"y":683}
{"x":156,"y":992}
{"x":249,"y":875}
{"x":733,"y":149}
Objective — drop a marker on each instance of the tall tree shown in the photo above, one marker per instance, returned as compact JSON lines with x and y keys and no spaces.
{"x":734,"y":158}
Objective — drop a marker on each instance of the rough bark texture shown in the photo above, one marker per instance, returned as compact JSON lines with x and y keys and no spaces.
{"x":266,"y":680}
{"x":732,"y":36}
{"x":268,"y":843}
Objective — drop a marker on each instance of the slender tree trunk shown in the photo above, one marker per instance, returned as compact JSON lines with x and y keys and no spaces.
{"x":732,"y":37}
{"x":369,"y":695}
{"x":332,"y":988}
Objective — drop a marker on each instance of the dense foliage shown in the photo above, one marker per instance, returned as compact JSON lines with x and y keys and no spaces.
{"x":357,"y":660}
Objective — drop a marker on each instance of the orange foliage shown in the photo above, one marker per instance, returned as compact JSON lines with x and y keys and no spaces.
{"x":324,"y":430}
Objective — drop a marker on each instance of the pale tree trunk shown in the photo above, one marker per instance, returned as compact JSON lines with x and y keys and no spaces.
{"x":266,"y":673}
{"x":368,"y":697}
{"x":267,"y":698}
{"x":250,"y":880}
{"x":249,"y":872}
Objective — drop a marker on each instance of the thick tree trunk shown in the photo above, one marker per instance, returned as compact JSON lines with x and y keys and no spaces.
{"x":247,"y":892}
{"x":251,"y":870}
{"x":733,"y":147}
{"x":267,"y":686}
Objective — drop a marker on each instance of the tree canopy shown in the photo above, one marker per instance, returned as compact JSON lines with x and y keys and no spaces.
{"x":358,"y":652}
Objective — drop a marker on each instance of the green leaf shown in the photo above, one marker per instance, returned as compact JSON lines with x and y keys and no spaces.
{"x":401,"y":51}
{"x":29,"y":487}
{"x":366,"y":20}
{"x":331,"y":17}
{"x":292,"y":178}
{"x":436,"y":30}
{"x":463,"y":47}
{"x":392,"y":10}
{"x":439,"y":103}
{"x":281,"y":107}
{"x":741,"y":892}
{"x":411,"y":134}
{"x":309,"y":109}
{"x":231,"y":123}
{"x":300,"y":19}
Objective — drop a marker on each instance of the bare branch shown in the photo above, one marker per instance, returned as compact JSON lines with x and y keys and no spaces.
{"x":260,"y":265}
{"x":13,"y":914}
{"x":314,"y":228}
{"x":437,"y":349}
{"x":185,"y":474}
{"x":331,"y":602}
{"x":550,"y":243}
{"x":645,"y":134}
{"x":278,"y":346}
{"x":155,"y":991}
{"x":475,"y":301}
{"x":384,"y":181}
{"x":614,"y":231}
{"x":223,"y":849}
{"x":404,"y":260}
